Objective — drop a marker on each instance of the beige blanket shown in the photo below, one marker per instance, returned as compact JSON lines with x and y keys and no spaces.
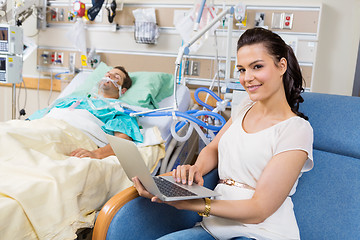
{"x":44,"y":193}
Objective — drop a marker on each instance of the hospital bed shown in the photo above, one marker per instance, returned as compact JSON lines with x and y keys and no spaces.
{"x":48,"y":195}
{"x":176,"y":151}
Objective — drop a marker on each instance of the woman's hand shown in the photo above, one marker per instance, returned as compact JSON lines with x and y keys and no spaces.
{"x":188,"y":174}
{"x":194,"y":205}
{"x":143,"y":192}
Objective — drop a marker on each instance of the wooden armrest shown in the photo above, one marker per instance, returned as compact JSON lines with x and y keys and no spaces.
{"x":109,"y":210}
{"x":111,"y":207}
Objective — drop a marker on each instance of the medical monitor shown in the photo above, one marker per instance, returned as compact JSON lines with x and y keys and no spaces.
{"x":10,"y":69}
{"x":11,"y":39}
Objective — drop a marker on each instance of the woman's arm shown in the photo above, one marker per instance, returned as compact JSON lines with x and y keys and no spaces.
{"x":206,"y":161}
{"x":272,"y":189}
{"x":98,"y":153}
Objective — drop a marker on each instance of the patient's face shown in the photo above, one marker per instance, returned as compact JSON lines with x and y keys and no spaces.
{"x":110,"y":89}
{"x":116,"y":75}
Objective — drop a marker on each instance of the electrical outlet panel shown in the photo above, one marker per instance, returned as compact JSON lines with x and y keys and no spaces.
{"x":282,"y":20}
{"x":54,"y":14}
{"x":53,"y":57}
{"x":59,"y":58}
{"x":195,"y":68}
{"x":288,"y":20}
{"x":45,"y":58}
{"x":56,"y":58}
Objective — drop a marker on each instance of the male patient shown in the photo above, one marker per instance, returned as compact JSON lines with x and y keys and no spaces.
{"x":115,"y":83}
{"x":96,"y":110}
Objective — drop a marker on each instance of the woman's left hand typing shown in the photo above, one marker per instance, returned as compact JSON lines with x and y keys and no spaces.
{"x":194,"y":205}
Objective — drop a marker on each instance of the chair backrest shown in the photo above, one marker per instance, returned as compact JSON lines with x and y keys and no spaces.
{"x":327,"y":200}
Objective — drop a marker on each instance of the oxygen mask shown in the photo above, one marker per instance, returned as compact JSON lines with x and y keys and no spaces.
{"x":107,"y":79}
{"x":104,"y":87}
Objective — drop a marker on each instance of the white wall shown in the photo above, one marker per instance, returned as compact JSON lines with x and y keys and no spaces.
{"x":338,"y":48}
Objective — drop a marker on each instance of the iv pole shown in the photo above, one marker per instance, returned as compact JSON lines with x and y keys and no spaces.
{"x":13,"y":101}
{"x":184,"y":50}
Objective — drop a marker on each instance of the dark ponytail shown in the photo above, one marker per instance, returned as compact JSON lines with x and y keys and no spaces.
{"x":278,"y":49}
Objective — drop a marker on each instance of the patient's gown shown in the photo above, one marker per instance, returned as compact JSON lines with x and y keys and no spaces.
{"x":113,"y":119}
{"x":243,"y":157}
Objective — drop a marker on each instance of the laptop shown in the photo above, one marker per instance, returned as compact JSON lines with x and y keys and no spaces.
{"x":164,"y":187}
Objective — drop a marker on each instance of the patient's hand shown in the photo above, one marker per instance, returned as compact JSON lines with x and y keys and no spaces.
{"x":81,"y":153}
{"x":98,"y":153}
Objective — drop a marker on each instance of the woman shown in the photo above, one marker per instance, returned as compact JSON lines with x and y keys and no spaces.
{"x":260,"y":152}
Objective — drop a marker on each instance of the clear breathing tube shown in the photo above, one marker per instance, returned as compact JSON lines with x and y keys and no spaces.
{"x":180,"y":119}
{"x":190,"y":117}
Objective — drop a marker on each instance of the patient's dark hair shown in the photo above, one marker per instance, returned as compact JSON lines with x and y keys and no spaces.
{"x":278,"y":49}
{"x":127,"y":81}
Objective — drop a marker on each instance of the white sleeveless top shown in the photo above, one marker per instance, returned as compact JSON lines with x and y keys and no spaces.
{"x":243,"y":157}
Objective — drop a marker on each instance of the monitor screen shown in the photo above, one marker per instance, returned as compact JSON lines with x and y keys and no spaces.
{"x":2,"y":64}
{"x":4,"y":34}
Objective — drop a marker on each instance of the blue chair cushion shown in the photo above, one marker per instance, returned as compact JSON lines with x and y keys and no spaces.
{"x":334,"y":119}
{"x":327,"y":200}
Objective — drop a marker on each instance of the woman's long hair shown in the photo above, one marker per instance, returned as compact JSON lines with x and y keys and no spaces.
{"x":277,"y":48}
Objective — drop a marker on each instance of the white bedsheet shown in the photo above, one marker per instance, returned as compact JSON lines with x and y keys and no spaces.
{"x":91,"y":126}
{"x":46,"y":194}
{"x":83,"y":120}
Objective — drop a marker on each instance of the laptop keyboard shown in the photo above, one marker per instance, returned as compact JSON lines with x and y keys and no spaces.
{"x":170,"y":189}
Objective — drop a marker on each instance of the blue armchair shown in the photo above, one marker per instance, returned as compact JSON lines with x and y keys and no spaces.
{"x":326,"y":203}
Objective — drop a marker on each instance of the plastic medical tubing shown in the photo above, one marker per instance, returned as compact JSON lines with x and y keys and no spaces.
{"x":191,"y":117}
{"x":202,"y":89}
{"x":57,"y":76}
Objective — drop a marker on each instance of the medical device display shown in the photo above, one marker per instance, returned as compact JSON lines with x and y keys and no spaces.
{"x":11,"y":49}
{"x":10,"y":69}
{"x":11,"y":40}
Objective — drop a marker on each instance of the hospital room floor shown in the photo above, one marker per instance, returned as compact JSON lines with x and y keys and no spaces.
{"x":85,"y":234}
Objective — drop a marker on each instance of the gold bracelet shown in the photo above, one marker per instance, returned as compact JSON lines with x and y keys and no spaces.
{"x":206,"y":212}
